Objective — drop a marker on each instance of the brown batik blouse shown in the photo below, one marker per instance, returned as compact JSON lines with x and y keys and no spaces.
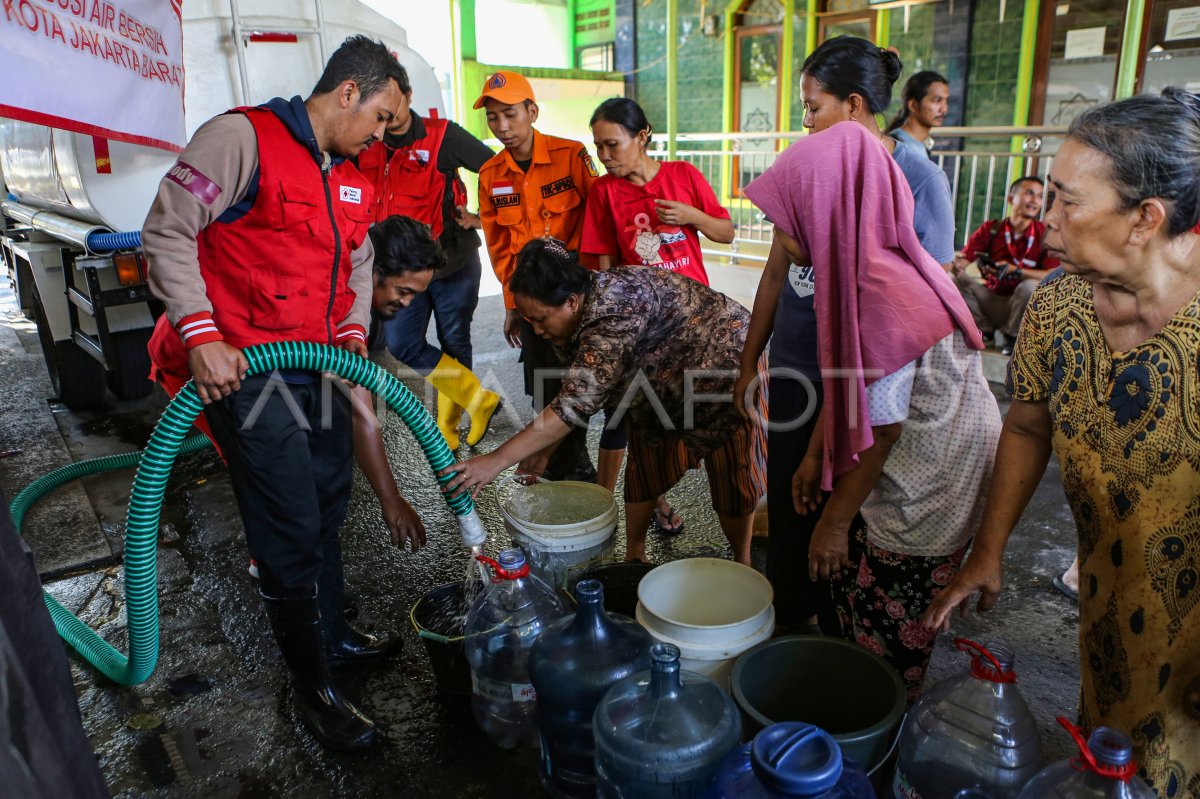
{"x":650,"y":344}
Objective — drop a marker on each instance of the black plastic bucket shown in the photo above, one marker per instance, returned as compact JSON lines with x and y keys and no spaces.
{"x":854,"y":695}
{"x":620,"y":581}
{"x":445,"y":646}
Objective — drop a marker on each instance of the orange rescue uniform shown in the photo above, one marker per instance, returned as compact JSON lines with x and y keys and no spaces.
{"x":517,"y":207}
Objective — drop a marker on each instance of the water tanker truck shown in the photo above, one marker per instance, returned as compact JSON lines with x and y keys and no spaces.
{"x":77,"y":193}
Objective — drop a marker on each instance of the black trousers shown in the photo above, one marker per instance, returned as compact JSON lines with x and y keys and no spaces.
{"x":538,"y":354}
{"x":289,"y":448}
{"x":796,"y":597}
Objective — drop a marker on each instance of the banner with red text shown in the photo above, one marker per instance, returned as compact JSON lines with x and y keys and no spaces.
{"x":109,"y":68}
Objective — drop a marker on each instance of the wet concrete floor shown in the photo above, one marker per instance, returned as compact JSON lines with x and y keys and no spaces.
{"x":214,"y":721}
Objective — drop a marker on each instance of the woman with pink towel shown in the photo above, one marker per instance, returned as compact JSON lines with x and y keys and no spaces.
{"x":909,"y":424}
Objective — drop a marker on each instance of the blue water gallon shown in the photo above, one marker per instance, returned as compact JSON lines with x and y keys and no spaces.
{"x":1103,"y":770}
{"x":500,"y":629}
{"x":572,"y":665}
{"x":970,"y":731}
{"x":792,"y":759}
{"x":663,"y":734}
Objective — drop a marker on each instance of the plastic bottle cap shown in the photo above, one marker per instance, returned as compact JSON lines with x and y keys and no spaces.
{"x":1002,"y":652}
{"x":512,"y":559}
{"x":510,"y":565}
{"x":992,"y":662}
{"x":1110,"y":747}
{"x":796,"y":758}
{"x":1106,"y":752}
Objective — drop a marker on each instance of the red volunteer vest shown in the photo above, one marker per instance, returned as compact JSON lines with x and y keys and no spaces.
{"x":281,"y":272}
{"x":409,"y":183}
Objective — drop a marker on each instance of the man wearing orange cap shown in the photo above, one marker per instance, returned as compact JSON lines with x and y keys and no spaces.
{"x":537,"y":186}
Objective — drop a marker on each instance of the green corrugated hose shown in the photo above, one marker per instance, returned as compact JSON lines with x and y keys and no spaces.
{"x":154,"y":467}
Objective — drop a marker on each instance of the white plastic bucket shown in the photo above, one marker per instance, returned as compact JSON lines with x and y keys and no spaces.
{"x":712,"y":609}
{"x":554,"y":548}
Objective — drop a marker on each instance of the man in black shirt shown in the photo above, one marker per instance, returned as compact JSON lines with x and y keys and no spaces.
{"x":415,"y":173}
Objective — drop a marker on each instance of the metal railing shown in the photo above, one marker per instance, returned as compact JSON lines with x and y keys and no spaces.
{"x":979,"y":170}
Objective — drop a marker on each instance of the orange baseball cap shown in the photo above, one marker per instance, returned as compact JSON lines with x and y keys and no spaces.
{"x":506,"y":87}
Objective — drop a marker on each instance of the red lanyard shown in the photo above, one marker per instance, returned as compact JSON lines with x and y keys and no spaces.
{"x":1008,"y":244}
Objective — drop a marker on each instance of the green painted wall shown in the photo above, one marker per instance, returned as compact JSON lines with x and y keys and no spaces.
{"x":594,"y":22}
{"x":800,"y":31}
{"x":701,"y":86}
{"x":701,"y":61}
{"x":650,"y":81}
{"x":917,"y":51}
{"x":992,"y":76}
{"x":995,"y":56}
{"x":992,"y":65}
{"x":992,"y":87}
{"x":566,"y":113}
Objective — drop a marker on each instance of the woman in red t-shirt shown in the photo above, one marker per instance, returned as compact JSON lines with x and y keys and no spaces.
{"x":645,"y":212}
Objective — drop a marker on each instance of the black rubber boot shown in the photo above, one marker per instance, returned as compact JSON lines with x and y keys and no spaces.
{"x":345,"y":644}
{"x":350,"y":610}
{"x":335,"y":722}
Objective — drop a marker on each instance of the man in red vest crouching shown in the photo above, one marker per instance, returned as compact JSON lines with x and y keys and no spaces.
{"x":259,"y":234}
{"x":414,"y":172}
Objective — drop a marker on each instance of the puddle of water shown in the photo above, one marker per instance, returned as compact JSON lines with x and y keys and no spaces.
{"x":131,"y":428}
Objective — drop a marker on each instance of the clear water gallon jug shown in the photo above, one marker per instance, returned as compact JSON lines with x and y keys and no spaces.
{"x":1103,"y":770}
{"x":971,"y":731}
{"x":572,"y":665}
{"x":792,"y":759}
{"x":500,"y":629}
{"x":663,"y":734}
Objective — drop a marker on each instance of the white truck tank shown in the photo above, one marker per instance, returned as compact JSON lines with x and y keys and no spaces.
{"x":56,"y":169}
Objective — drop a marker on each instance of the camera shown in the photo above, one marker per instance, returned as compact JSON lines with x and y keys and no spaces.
{"x":1009,"y":270}
{"x":1001,"y":271}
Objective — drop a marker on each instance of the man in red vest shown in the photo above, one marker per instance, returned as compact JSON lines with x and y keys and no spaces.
{"x":1012,"y":261}
{"x":415,"y":173}
{"x":259,"y":234}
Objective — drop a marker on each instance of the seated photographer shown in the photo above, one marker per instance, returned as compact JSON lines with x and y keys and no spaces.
{"x":1011,"y":261}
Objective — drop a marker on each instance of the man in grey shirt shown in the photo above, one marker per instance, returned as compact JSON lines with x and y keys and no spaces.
{"x":923,"y":107}
{"x":933,"y":208}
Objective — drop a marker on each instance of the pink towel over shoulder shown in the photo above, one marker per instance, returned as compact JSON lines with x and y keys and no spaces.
{"x":881,"y":301}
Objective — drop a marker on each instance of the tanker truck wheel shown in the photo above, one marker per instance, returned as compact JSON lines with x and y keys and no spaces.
{"x":77,"y":378}
{"x":130,"y":379}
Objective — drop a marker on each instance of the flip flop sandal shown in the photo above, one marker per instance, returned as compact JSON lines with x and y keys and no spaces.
{"x":657,"y":526}
{"x":1064,"y":589}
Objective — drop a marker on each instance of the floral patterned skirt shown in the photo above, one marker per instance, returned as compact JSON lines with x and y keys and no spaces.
{"x":880,"y":599}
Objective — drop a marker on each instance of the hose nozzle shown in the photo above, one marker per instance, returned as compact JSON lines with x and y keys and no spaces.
{"x":471,"y":529}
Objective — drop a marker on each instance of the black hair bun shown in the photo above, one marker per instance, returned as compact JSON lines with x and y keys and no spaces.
{"x":891,"y":64}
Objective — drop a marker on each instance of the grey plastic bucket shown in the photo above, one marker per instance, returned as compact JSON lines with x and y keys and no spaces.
{"x":852,"y":694}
